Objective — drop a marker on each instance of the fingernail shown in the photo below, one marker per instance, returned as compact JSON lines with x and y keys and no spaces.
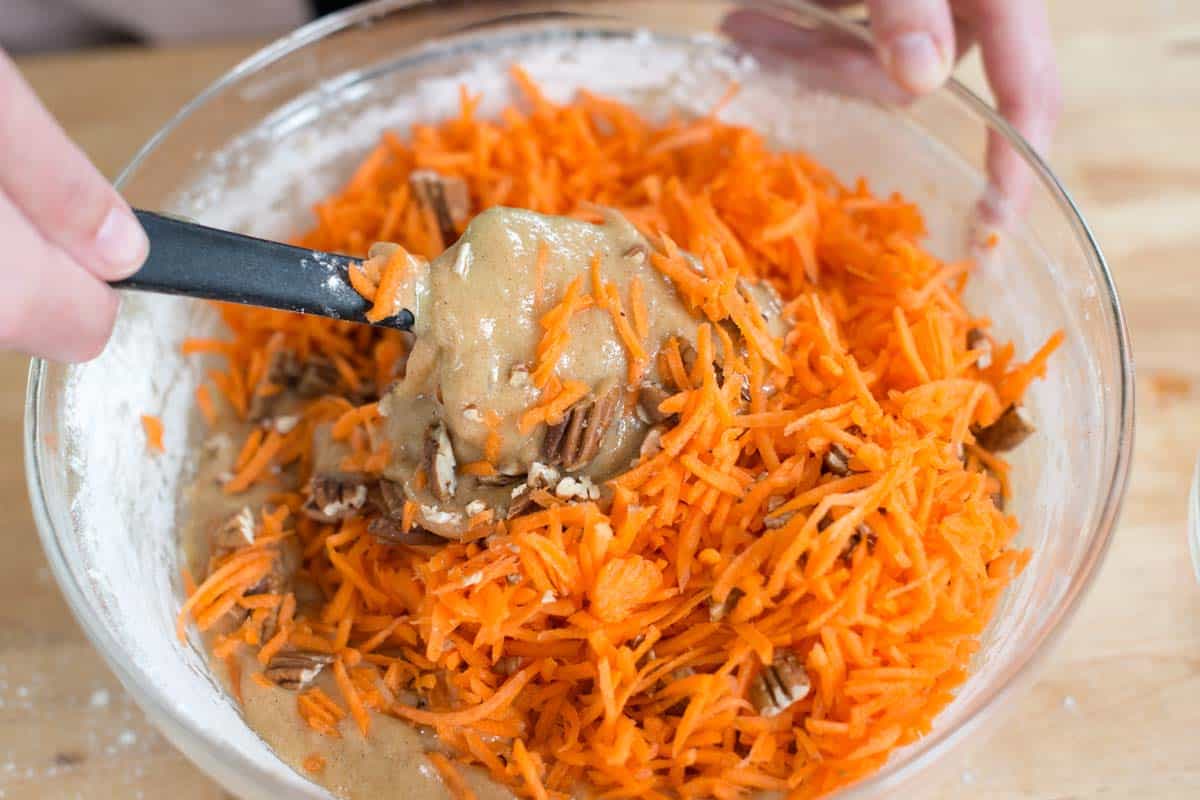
{"x":917,"y":62}
{"x":121,"y":243}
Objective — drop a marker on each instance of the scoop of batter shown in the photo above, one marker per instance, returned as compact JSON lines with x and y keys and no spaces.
{"x":477,"y":309}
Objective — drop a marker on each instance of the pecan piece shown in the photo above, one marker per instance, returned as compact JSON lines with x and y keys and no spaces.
{"x":522,"y":502}
{"x":540,"y":476}
{"x":499,"y":479}
{"x":391,"y":498}
{"x":509,"y":665}
{"x":440,"y":464}
{"x":779,"y":685}
{"x":581,"y":488}
{"x":446,"y":198}
{"x":652,"y":444}
{"x":390,"y":531}
{"x":719,"y":611}
{"x":862,"y":533}
{"x":650,"y":397}
{"x":318,"y":376}
{"x":637,"y":253}
{"x":776,"y":521}
{"x":518,"y":376}
{"x":977,"y":339}
{"x":575,"y":441}
{"x":836,"y":461}
{"x":1009,"y":430}
{"x":281,"y":372}
{"x":234,"y":534}
{"x":335,"y":497}
{"x":296,"y":669}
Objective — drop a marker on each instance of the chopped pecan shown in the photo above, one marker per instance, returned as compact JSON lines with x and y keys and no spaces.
{"x":687,"y":353}
{"x":997,"y":487}
{"x":279,"y":581}
{"x":281,"y":372}
{"x":518,"y":376}
{"x":500,"y":479}
{"x":836,"y":461}
{"x":522,"y":501}
{"x":779,"y":685}
{"x":335,"y":497}
{"x":391,"y":498}
{"x":446,"y":198}
{"x":509,"y":665}
{"x":652,"y":444}
{"x":234,"y":534}
{"x":575,"y":441}
{"x":1009,"y":430}
{"x":317,"y":377}
{"x":440,"y":463}
{"x":862,"y":533}
{"x":581,"y":488}
{"x":636,"y":253}
{"x":391,"y":531}
{"x":650,"y":397}
{"x":719,"y":611}
{"x":776,"y":521}
{"x":541,"y":476}
{"x":296,"y":669}
{"x":977,"y":339}
{"x":998,"y":500}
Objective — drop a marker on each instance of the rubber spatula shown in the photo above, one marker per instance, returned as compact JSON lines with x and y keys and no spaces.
{"x":193,"y":260}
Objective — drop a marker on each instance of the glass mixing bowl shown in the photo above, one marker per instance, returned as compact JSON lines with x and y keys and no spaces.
{"x":259,"y":147}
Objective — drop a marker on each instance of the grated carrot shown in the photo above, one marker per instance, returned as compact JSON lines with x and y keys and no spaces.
{"x":204,"y":402}
{"x":385,"y":296}
{"x":580,"y":645}
{"x":451,"y":777}
{"x":153,"y":428}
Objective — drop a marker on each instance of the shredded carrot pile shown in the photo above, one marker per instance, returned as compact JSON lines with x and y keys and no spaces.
{"x":582,"y":643}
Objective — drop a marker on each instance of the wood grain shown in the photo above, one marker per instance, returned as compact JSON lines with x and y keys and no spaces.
{"x":1115,"y":710}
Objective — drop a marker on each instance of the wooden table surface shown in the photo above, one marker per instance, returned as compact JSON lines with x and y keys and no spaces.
{"x":1116,"y":711}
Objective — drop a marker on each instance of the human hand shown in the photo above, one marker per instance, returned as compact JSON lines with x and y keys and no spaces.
{"x":918,"y":42}
{"x":65,"y":231}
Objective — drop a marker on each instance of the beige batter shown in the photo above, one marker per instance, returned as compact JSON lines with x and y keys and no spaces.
{"x":476,"y":332}
{"x":392,"y":762}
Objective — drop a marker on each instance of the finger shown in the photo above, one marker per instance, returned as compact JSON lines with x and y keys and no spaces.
{"x":826,"y":58}
{"x":915,"y":40}
{"x":52,"y":307}
{"x":57,"y":188}
{"x":1018,"y":59}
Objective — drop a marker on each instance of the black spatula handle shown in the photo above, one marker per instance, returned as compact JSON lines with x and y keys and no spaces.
{"x":197,"y":261}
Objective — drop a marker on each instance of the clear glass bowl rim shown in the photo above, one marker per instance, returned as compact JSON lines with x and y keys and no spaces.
{"x":159,"y":707}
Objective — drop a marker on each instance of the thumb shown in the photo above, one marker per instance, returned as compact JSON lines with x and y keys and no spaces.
{"x":58,"y":190}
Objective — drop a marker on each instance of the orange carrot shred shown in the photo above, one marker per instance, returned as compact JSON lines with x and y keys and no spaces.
{"x":153,"y":428}
{"x":451,"y":777}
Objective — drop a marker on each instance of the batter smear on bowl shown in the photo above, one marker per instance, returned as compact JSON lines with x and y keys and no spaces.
{"x":685,"y":484}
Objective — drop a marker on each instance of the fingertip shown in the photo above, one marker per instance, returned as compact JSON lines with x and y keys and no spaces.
{"x":120,"y":244}
{"x":917,"y":61}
